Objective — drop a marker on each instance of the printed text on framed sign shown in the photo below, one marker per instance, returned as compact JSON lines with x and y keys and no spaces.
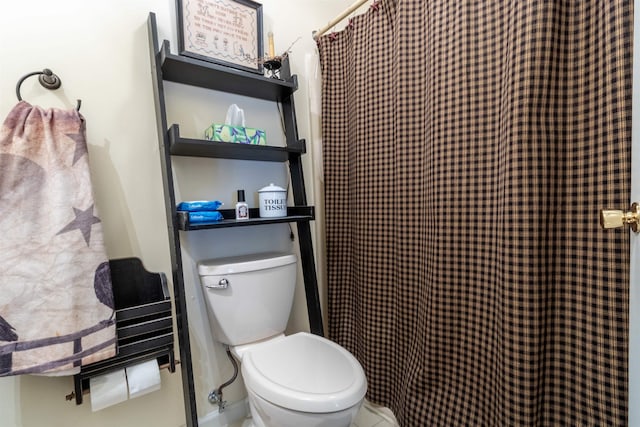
{"x":225,"y":32}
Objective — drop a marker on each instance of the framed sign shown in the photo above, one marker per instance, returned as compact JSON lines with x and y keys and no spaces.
{"x":225,"y":32}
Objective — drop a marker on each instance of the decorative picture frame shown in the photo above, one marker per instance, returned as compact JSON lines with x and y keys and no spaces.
{"x":224,"y":32}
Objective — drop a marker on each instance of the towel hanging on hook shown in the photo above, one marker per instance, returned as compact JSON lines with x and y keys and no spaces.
{"x":47,"y":79}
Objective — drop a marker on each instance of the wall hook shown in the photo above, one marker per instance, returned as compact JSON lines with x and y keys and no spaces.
{"x":49,"y":80}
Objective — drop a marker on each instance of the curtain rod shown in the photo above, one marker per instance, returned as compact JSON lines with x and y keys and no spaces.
{"x":357,"y":4}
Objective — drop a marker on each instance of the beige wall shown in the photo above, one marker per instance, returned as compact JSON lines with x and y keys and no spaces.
{"x":100,"y":51}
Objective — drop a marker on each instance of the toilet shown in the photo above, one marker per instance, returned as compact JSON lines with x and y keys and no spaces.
{"x":299,"y":380}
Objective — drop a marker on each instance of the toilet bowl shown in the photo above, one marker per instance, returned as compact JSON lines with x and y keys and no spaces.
{"x":300,"y":380}
{"x":303,"y":380}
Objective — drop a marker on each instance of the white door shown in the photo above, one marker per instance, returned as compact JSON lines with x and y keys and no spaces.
{"x":634,"y":279}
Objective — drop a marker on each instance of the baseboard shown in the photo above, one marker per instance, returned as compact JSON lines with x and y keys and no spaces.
{"x":231,"y":414}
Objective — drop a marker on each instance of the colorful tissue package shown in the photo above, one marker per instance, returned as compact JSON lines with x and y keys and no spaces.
{"x":237,"y":134}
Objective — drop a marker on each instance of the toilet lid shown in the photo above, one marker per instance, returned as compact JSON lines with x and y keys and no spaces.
{"x":306,"y":373}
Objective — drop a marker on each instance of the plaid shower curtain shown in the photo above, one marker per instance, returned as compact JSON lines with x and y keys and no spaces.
{"x":468,"y":149}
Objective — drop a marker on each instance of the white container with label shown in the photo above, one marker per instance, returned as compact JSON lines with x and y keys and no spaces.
{"x":273,"y":201}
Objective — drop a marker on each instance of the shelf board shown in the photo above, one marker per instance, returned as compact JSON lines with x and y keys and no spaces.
{"x":195,"y":72}
{"x":294,"y":214}
{"x":180,"y":146}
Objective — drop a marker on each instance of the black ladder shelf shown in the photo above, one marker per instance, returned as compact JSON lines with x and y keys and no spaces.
{"x":166,"y":66}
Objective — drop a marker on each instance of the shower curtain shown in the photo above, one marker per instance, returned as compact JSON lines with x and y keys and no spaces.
{"x":468,"y":149}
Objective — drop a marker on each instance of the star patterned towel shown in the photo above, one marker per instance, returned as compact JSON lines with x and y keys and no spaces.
{"x":56,"y":299}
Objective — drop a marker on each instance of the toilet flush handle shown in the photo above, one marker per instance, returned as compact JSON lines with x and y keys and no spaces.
{"x":222,"y":284}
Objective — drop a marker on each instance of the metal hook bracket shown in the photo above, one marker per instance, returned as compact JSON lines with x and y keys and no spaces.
{"x":48,"y":80}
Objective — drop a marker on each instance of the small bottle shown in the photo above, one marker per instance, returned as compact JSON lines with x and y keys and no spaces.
{"x":242,"y":208}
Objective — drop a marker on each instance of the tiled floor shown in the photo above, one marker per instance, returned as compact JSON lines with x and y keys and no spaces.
{"x":372,"y":415}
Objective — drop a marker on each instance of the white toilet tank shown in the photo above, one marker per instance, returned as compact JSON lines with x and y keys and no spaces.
{"x":249,"y":298}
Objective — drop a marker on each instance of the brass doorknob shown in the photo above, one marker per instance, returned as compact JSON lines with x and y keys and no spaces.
{"x":616,"y":219}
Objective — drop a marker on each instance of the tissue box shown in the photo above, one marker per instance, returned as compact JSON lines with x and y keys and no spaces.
{"x":238,"y":134}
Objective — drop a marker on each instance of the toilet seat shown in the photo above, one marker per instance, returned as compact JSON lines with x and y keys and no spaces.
{"x":306,"y":373}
